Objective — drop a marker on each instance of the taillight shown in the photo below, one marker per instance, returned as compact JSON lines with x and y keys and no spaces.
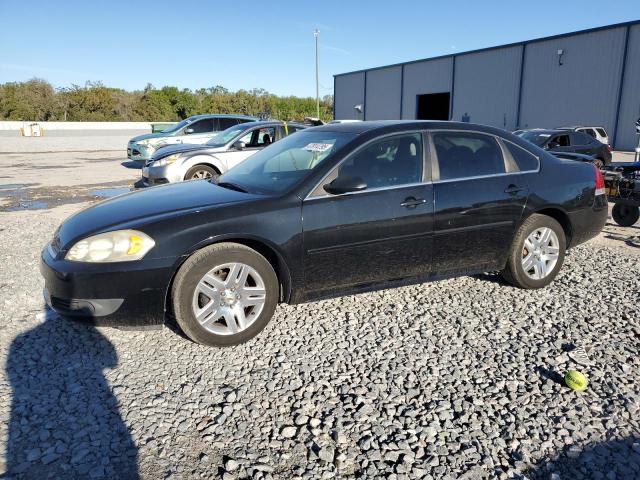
{"x":599,"y":181}
{"x":609,"y":148}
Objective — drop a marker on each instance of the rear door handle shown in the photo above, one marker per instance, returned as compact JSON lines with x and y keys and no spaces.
{"x":412,"y":202}
{"x":513,"y":189}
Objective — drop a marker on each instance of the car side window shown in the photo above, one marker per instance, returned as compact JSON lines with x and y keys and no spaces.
{"x":395,"y":160}
{"x":462,"y":155}
{"x":525,"y":160}
{"x":602,"y":132}
{"x":589,"y":131}
{"x":578,"y":138}
{"x":259,"y":137}
{"x":201,"y":126}
{"x":224,"y":123}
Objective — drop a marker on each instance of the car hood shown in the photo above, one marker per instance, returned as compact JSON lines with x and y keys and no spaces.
{"x":181,"y":148}
{"x":134,"y":209}
{"x":147,"y":136}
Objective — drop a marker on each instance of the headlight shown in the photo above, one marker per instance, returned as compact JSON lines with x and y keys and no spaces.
{"x":146,"y":144}
{"x":166,"y":160}
{"x":118,"y":246}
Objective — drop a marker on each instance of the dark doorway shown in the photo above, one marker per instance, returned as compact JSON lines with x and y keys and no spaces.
{"x":433,"y":106}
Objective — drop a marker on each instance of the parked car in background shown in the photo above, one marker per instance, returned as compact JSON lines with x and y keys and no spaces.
{"x":566,"y":141}
{"x":195,"y":129}
{"x":328,"y":211}
{"x":175,"y":163}
{"x":599,"y":133}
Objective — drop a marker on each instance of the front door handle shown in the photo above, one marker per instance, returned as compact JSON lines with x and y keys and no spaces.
{"x":412,"y":202}
{"x":513,"y":189}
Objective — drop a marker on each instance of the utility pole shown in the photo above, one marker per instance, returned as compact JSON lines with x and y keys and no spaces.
{"x":316,"y":34}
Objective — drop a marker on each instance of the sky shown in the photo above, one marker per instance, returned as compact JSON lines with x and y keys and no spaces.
{"x":249,"y":44}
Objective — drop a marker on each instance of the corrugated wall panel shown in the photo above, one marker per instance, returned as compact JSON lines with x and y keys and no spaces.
{"x":383,"y":94}
{"x":584,"y":90}
{"x":433,"y":76}
{"x":486,"y":87}
{"x":626,"y":138}
{"x":349,"y":92}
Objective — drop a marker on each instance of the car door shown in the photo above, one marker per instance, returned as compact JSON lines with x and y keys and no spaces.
{"x":582,"y":143}
{"x":254,"y":140}
{"x":479,"y":197}
{"x":559,"y":143}
{"x":381,"y":233}
{"x":198,"y":132}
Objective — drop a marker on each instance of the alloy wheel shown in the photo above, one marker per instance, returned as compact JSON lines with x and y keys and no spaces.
{"x":229,"y":298}
{"x":540,"y":253}
{"x":201,"y":174}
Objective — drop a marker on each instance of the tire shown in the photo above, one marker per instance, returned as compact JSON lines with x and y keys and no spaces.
{"x":225,"y":325}
{"x":201,"y":171}
{"x":625,"y":215}
{"x":514,"y":271}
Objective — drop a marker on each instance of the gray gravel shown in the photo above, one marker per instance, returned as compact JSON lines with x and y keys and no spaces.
{"x":456,"y":379}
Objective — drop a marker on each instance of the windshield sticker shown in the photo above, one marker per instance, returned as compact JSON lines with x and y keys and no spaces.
{"x":318,"y":147}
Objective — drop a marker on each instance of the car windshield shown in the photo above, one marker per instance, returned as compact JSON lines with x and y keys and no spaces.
{"x":281,"y":165}
{"x":178,"y":126}
{"x":227,"y":135}
{"x":537,"y":138}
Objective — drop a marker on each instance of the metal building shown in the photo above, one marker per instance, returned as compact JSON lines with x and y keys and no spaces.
{"x":590,"y":77}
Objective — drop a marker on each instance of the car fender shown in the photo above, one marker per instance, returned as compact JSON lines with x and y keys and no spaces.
{"x":203,"y":159}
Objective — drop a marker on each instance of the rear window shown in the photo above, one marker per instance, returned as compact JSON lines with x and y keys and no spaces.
{"x":464,"y":155}
{"x":526,"y":161}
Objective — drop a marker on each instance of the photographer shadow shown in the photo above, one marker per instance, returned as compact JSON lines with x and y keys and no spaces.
{"x":65,"y":421}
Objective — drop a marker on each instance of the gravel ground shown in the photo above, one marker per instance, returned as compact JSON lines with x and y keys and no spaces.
{"x":455,"y":379}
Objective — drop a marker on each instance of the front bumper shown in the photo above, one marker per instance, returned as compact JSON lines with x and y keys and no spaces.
{"x":152,"y":176}
{"x":138,"y":153}
{"x":113,"y":294}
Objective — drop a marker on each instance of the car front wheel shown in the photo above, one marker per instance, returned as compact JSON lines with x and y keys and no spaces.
{"x":537,"y":253}
{"x":224,"y":294}
{"x":201,"y":171}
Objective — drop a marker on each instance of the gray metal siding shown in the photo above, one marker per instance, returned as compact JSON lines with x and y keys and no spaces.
{"x":425,"y":77}
{"x":584,"y":90}
{"x":626,"y":138}
{"x":486,"y":87}
{"x":383,"y":94}
{"x":349,"y":92}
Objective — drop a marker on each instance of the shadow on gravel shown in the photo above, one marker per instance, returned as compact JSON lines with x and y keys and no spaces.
{"x":616,"y":459}
{"x":132,"y":164}
{"x":65,"y":422}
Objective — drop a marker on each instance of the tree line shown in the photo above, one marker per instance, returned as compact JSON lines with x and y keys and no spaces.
{"x":38,"y":100}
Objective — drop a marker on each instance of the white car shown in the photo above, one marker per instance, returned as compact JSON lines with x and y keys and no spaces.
{"x":176,"y":163}
{"x":197,"y":129}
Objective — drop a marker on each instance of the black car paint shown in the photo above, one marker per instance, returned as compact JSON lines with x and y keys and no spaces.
{"x":331,"y":245}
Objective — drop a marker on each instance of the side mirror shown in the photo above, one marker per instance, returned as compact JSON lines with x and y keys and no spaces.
{"x":239,"y":145}
{"x":345,"y":185}
{"x":188,"y":131}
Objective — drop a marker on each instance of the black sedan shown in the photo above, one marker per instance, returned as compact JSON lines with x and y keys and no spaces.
{"x":332,"y":210}
{"x":562,"y":141}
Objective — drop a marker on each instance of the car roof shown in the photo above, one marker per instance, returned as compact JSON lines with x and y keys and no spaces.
{"x":382,"y":126}
{"x":221,"y":115}
{"x":574,"y":127}
{"x":270,"y":123}
{"x":549,"y":131}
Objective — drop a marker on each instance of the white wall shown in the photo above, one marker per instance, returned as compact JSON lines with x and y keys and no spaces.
{"x":15,"y":126}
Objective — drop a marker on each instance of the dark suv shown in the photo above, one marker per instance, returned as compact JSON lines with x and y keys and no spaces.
{"x":566,"y":141}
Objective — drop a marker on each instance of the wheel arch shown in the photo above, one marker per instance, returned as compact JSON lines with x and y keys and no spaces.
{"x":260,"y":245}
{"x":561,"y":217}
{"x":208,"y":160}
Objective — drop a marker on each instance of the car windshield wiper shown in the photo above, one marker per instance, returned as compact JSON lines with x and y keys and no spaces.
{"x":232,"y":186}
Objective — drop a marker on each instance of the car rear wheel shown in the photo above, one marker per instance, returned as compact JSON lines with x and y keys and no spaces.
{"x":201,"y":171}
{"x":224,"y":294}
{"x":625,"y":215}
{"x":537,"y":253}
